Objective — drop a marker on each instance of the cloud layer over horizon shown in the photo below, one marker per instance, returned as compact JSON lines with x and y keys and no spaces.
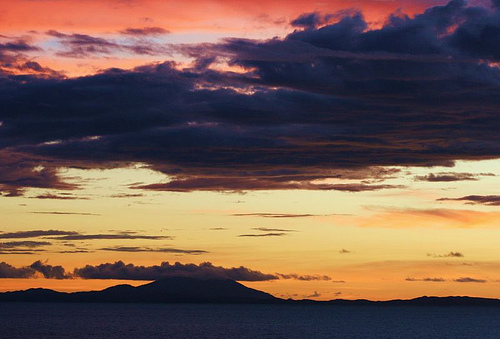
{"x":121,"y":271}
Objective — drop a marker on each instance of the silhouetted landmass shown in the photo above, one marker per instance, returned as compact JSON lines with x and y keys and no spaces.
{"x":191,"y":290}
{"x":420,"y":301}
{"x":170,"y":290}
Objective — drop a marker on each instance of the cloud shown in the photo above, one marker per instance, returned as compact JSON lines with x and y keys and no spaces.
{"x":144,"y":31}
{"x":447,"y":255}
{"x":65,"y":213}
{"x":22,"y":247}
{"x":206,"y":270}
{"x":21,"y":244}
{"x":303,"y":277}
{"x":18,"y":171}
{"x":447,"y":177}
{"x":439,"y":217}
{"x":50,"y":272}
{"x":306,"y":108}
{"x":83,"y":45}
{"x":358,"y":187}
{"x":309,"y":20}
{"x":47,"y":271}
{"x":110,"y":236}
{"x":488,"y":200}
{"x":265,"y":229}
{"x":36,"y":70}
{"x":469,"y":280}
{"x":127,"y":195}
{"x":314,"y":295}
{"x":14,"y":59}
{"x":271,"y":234}
{"x":51,"y":196}
{"x":19,"y":252}
{"x":240,"y":185}
{"x":460,"y":280}
{"x":148,"y":249}
{"x":426,"y":279}
{"x":273,"y":215}
{"x":344,"y":251}
{"x":34,"y":234}
{"x":121,"y":271}
{"x":17,"y":46}
{"x":8,"y":271}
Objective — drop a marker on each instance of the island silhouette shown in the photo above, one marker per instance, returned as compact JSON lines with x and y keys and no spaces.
{"x":214,"y":291}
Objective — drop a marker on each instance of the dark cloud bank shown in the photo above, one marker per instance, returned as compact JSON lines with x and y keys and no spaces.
{"x":121,"y":271}
{"x":323,"y":102}
{"x":38,"y":267}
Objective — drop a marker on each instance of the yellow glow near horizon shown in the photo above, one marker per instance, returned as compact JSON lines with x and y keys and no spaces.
{"x":374,"y":228}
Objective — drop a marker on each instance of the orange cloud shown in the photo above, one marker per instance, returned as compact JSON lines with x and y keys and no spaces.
{"x":436,"y":218}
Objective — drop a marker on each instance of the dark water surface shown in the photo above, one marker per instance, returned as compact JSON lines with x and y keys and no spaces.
{"x":46,"y":320}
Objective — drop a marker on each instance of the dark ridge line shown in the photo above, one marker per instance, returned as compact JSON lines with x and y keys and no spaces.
{"x":213,"y":291}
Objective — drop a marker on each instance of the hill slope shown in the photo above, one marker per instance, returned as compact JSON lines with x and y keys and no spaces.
{"x":190,"y":290}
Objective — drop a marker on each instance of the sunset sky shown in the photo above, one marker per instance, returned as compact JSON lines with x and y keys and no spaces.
{"x":309,"y":149}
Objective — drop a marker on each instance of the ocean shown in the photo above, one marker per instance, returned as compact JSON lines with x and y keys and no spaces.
{"x":53,"y":320}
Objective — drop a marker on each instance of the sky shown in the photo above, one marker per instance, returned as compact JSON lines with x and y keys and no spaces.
{"x":309,"y":149}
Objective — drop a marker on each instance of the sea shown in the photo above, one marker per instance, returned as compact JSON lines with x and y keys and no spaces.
{"x":54,"y":320}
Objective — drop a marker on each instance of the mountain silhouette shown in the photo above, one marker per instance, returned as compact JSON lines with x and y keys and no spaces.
{"x":170,"y":290}
{"x":191,"y":290}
